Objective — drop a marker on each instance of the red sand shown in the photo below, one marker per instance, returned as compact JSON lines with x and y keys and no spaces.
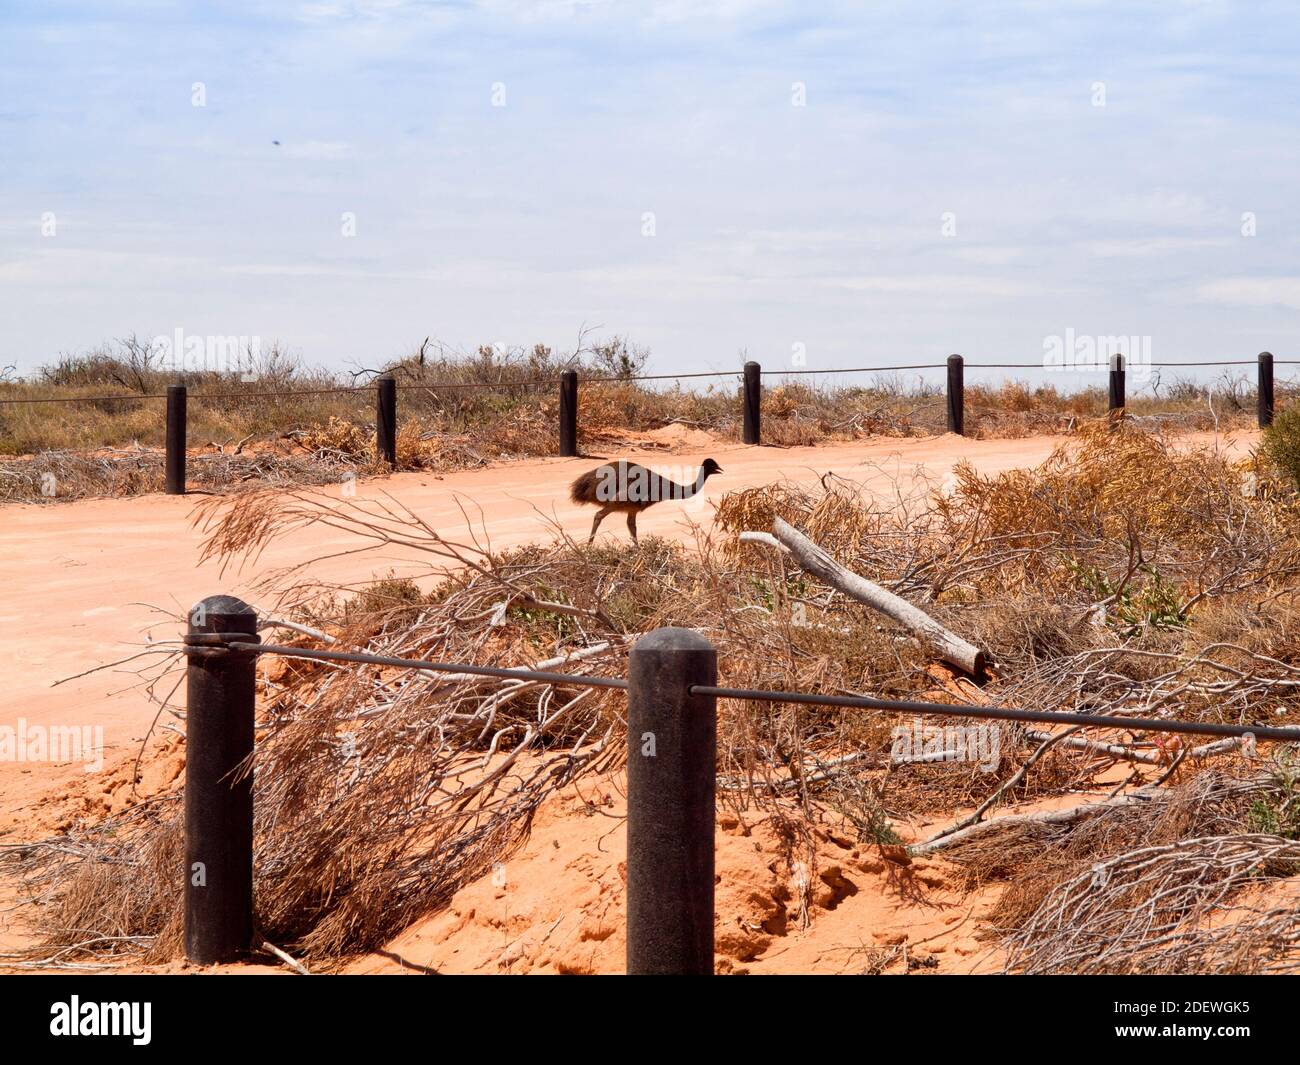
{"x":77,"y":581}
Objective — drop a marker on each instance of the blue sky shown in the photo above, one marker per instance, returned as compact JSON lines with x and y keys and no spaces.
{"x":775,"y":225}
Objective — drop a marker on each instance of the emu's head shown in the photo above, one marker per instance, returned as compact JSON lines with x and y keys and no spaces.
{"x":709,"y":468}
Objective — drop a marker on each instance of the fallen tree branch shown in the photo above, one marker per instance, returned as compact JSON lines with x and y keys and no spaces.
{"x":1217,"y":747}
{"x":767,"y":539}
{"x":293,"y":626}
{"x":292,"y":962}
{"x":951,"y":647}
{"x":1114,"y":750}
{"x":815,"y":774}
{"x":1118,"y":750}
{"x":1049,"y":817}
{"x":1007,"y":785}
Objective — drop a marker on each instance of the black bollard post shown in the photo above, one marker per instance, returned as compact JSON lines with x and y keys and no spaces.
{"x":569,"y":413}
{"x":753,"y":403}
{"x":1265,"y":389}
{"x":956,"y":395}
{"x":176,"y":396}
{"x":218,"y":796}
{"x":1116,"y":383}
{"x":672,"y":747}
{"x":386,"y":422}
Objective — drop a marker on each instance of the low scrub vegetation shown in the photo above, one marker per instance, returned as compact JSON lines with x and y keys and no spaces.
{"x":464,"y":409}
{"x":1281,"y":446}
{"x":1093,"y":593}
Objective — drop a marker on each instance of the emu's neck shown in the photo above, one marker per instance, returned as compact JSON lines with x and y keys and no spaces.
{"x":684,"y":491}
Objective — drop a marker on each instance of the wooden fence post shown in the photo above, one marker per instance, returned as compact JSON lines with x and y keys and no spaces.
{"x":569,"y":413}
{"x":1116,"y":383}
{"x":753,"y":403}
{"x":1265,"y":396}
{"x":176,"y":402}
{"x":386,"y":421}
{"x":220,"y":692}
{"x":672,"y":750}
{"x":956,"y":395}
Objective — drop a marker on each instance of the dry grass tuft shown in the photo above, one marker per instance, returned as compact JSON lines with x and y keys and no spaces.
{"x":1186,"y":883}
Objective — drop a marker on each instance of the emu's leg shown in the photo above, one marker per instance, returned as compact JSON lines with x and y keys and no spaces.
{"x":600,"y":516}
{"x":631,"y":524}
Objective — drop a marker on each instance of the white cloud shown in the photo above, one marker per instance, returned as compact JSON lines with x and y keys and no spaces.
{"x":323,"y":150}
{"x":992,"y":254}
{"x":936,"y":286}
{"x":1137,"y":247}
{"x":1253,"y":291}
{"x":1164,"y":207}
{"x":73,"y":266}
{"x":325,"y":11}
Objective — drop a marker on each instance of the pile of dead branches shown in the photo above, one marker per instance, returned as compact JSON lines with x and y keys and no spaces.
{"x":1182,"y":881}
{"x":380,"y":792}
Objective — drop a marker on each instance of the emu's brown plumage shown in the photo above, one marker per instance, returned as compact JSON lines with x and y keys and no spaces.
{"x":629,"y":488}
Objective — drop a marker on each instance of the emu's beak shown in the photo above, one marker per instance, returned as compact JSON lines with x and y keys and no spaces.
{"x":718,"y":470}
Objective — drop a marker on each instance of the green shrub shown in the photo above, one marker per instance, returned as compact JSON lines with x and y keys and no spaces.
{"x":389,"y":603}
{"x":1281,"y":445}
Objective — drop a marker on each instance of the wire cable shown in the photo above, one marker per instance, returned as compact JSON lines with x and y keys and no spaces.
{"x":420,"y":663}
{"x":858,"y":702}
{"x":1001,"y":713}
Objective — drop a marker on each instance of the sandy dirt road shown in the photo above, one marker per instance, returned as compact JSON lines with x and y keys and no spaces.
{"x":75,"y":578}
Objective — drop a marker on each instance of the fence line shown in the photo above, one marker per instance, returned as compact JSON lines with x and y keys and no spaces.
{"x":548,"y":382}
{"x":197,"y":395}
{"x":1006,"y":713}
{"x":496,"y":672}
{"x":861,"y":369}
{"x":672,"y":775}
{"x":386,"y":388}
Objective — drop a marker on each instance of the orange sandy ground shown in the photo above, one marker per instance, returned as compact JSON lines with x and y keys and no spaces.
{"x":76,"y":584}
{"x":558,"y":906}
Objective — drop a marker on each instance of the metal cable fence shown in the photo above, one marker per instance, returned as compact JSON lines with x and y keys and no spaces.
{"x":386,"y":388}
{"x":235,"y":642}
{"x":553,"y":382}
{"x":672,"y":694}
